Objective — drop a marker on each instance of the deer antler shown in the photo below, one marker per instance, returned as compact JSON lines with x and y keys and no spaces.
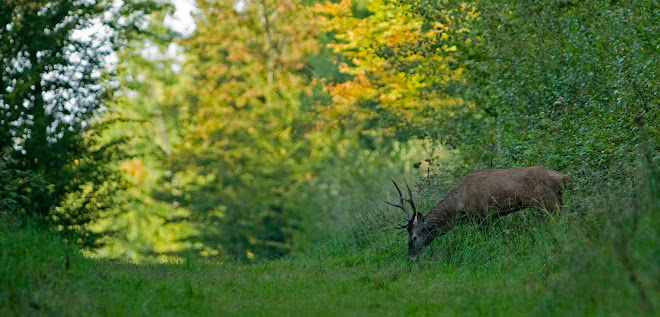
{"x":407,"y":219}
{"x":410,"y":199}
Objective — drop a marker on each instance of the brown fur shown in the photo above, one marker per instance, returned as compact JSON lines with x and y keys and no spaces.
{"x":489,"y":194}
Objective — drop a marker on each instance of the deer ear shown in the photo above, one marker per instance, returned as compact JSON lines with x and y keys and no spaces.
{"x":418,"y":218}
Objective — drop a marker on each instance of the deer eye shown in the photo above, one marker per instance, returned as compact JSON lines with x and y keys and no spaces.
{"x":415,"y":238}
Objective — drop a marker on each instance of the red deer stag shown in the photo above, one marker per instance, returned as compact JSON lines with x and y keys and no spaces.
{"x":480,"y":195}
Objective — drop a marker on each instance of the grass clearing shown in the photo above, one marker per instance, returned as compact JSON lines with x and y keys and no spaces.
{"x":600,"y":257}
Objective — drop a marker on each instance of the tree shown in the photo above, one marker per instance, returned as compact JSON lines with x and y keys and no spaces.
{"x":52,"y":88}
{"x":246,"y":152}
{"x":151,"y":91}
{"x":396,"y":89}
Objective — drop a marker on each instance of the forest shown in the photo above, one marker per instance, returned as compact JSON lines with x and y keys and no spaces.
{"x":242,"y":166}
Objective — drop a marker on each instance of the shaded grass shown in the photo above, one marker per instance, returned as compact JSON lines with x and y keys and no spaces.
{"x":599,"y":257}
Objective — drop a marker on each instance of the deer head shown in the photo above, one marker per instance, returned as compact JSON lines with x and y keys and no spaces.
{"x":418,"y":234}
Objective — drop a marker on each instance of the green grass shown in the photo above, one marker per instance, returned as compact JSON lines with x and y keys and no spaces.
{"x":600,"y":257}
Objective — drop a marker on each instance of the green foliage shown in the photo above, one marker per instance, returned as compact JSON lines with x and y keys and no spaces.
{"x":253,"y":165}
{"x":582,"y":75}
{"x":17,"y":188}
{"x":245,"y":153}
{"x":232,"y":154}
{"x":87,"y":184}
{"x":79,"y":190}
{"x":572,"y":85}
{"x":51,"y":90}
{"x":149,"y":98}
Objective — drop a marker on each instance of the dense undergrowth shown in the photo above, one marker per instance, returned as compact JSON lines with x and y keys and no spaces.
{"x":599,"y":256}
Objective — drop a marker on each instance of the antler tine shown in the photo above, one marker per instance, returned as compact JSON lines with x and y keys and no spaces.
{"x":400,"y":205}
{"x":410,"y":198}
{"x":406,"y":219}
{"x":397,"y":188}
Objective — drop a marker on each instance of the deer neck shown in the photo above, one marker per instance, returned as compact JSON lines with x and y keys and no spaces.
{"x":442,"y":216}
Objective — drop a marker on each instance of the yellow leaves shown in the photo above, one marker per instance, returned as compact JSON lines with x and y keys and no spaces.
{"x":390,"y":96}
{"x":471,"y":10}
{"x":217,"y":70}
{"x":330,"y":9}
{"x":238,"y":53}
{"x":350,"y":92}
{"x":360,"y":39}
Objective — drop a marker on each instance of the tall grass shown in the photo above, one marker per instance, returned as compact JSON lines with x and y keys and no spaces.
{"x":34,"y":264}
{"x":599,"y":256}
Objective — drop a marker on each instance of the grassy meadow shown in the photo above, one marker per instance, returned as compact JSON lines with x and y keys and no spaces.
{"x":599,"y":256}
